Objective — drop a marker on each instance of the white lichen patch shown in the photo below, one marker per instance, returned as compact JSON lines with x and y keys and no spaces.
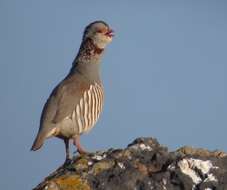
{"x":210,"y":177}
{"x":171,"y":167}
{"x":121,"y":165}
{"x":98,"y":157}
{"x":90,"y":163}
{"x":189,"y":167}
{"x":141,"y":146}
{"x":104,"y":155}
{"x":145,"y":147}
{"x":164,"y":181}
{"x":186,"y":169}
{"x":51,"y":185}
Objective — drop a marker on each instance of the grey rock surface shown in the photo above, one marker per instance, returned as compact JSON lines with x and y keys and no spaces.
{"x":143,"y":165}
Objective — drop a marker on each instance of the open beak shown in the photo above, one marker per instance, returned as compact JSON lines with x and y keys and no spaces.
{"x":110,"y":33}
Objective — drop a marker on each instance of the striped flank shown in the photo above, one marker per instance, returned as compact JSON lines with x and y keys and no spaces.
{"x":89,"y":108}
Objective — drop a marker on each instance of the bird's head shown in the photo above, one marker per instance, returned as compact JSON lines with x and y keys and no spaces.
{"x":99,"y":32}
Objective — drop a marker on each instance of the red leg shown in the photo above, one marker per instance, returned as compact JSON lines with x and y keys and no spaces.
{"x":76,"y":142}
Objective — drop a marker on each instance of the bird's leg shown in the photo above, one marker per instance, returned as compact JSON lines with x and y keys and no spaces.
{"x":76,"y":142}
{"x":66,"y":141}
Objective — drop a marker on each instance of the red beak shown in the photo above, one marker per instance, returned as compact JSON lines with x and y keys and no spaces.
{"x":110,"y":33}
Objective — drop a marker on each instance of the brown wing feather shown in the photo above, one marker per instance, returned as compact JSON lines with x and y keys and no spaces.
{"x":69,"y":94}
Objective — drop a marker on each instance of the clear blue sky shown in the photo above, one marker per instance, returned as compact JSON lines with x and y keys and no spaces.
{"x":165,"y":76}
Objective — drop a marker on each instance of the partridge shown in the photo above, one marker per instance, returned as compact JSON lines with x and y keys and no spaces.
{"x":75,"y":104}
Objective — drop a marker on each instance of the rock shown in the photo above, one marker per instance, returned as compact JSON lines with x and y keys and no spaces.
{"x":143,"y":165}
{"x":201,"y":152}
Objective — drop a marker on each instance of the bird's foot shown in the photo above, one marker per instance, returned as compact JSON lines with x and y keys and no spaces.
{"x":67,"y":161}
{"x":81,"y":152}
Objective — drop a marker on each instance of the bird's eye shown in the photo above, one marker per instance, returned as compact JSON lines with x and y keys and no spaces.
{"x":100,"y":31}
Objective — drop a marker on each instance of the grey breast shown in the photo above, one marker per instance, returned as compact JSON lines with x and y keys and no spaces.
{"x":87,"y":111}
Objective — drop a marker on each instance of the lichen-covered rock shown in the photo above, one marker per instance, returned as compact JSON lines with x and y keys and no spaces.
{"x":143,"y":165}
{"x":201,"y":152}
{"x":66,"y":182}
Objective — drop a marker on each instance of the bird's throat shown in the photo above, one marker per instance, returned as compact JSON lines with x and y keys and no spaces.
{"x":88,"y":58}
{"x":89,"y":51}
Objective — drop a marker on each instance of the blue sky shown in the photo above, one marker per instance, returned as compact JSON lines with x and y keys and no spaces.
{"x":164,"y":76}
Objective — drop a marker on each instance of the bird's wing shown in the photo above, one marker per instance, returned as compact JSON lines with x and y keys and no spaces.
{"x":59,"y":105}
{"x":68,"y":95}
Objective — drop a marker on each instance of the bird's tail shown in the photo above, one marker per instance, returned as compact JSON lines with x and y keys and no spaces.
{"x":42,"y":136}
{"x":39,"y":140}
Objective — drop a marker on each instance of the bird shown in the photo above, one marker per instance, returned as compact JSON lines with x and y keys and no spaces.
{"x":75,"y":104}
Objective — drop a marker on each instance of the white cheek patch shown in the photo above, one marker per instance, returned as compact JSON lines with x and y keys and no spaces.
{"x":101,"y":40}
